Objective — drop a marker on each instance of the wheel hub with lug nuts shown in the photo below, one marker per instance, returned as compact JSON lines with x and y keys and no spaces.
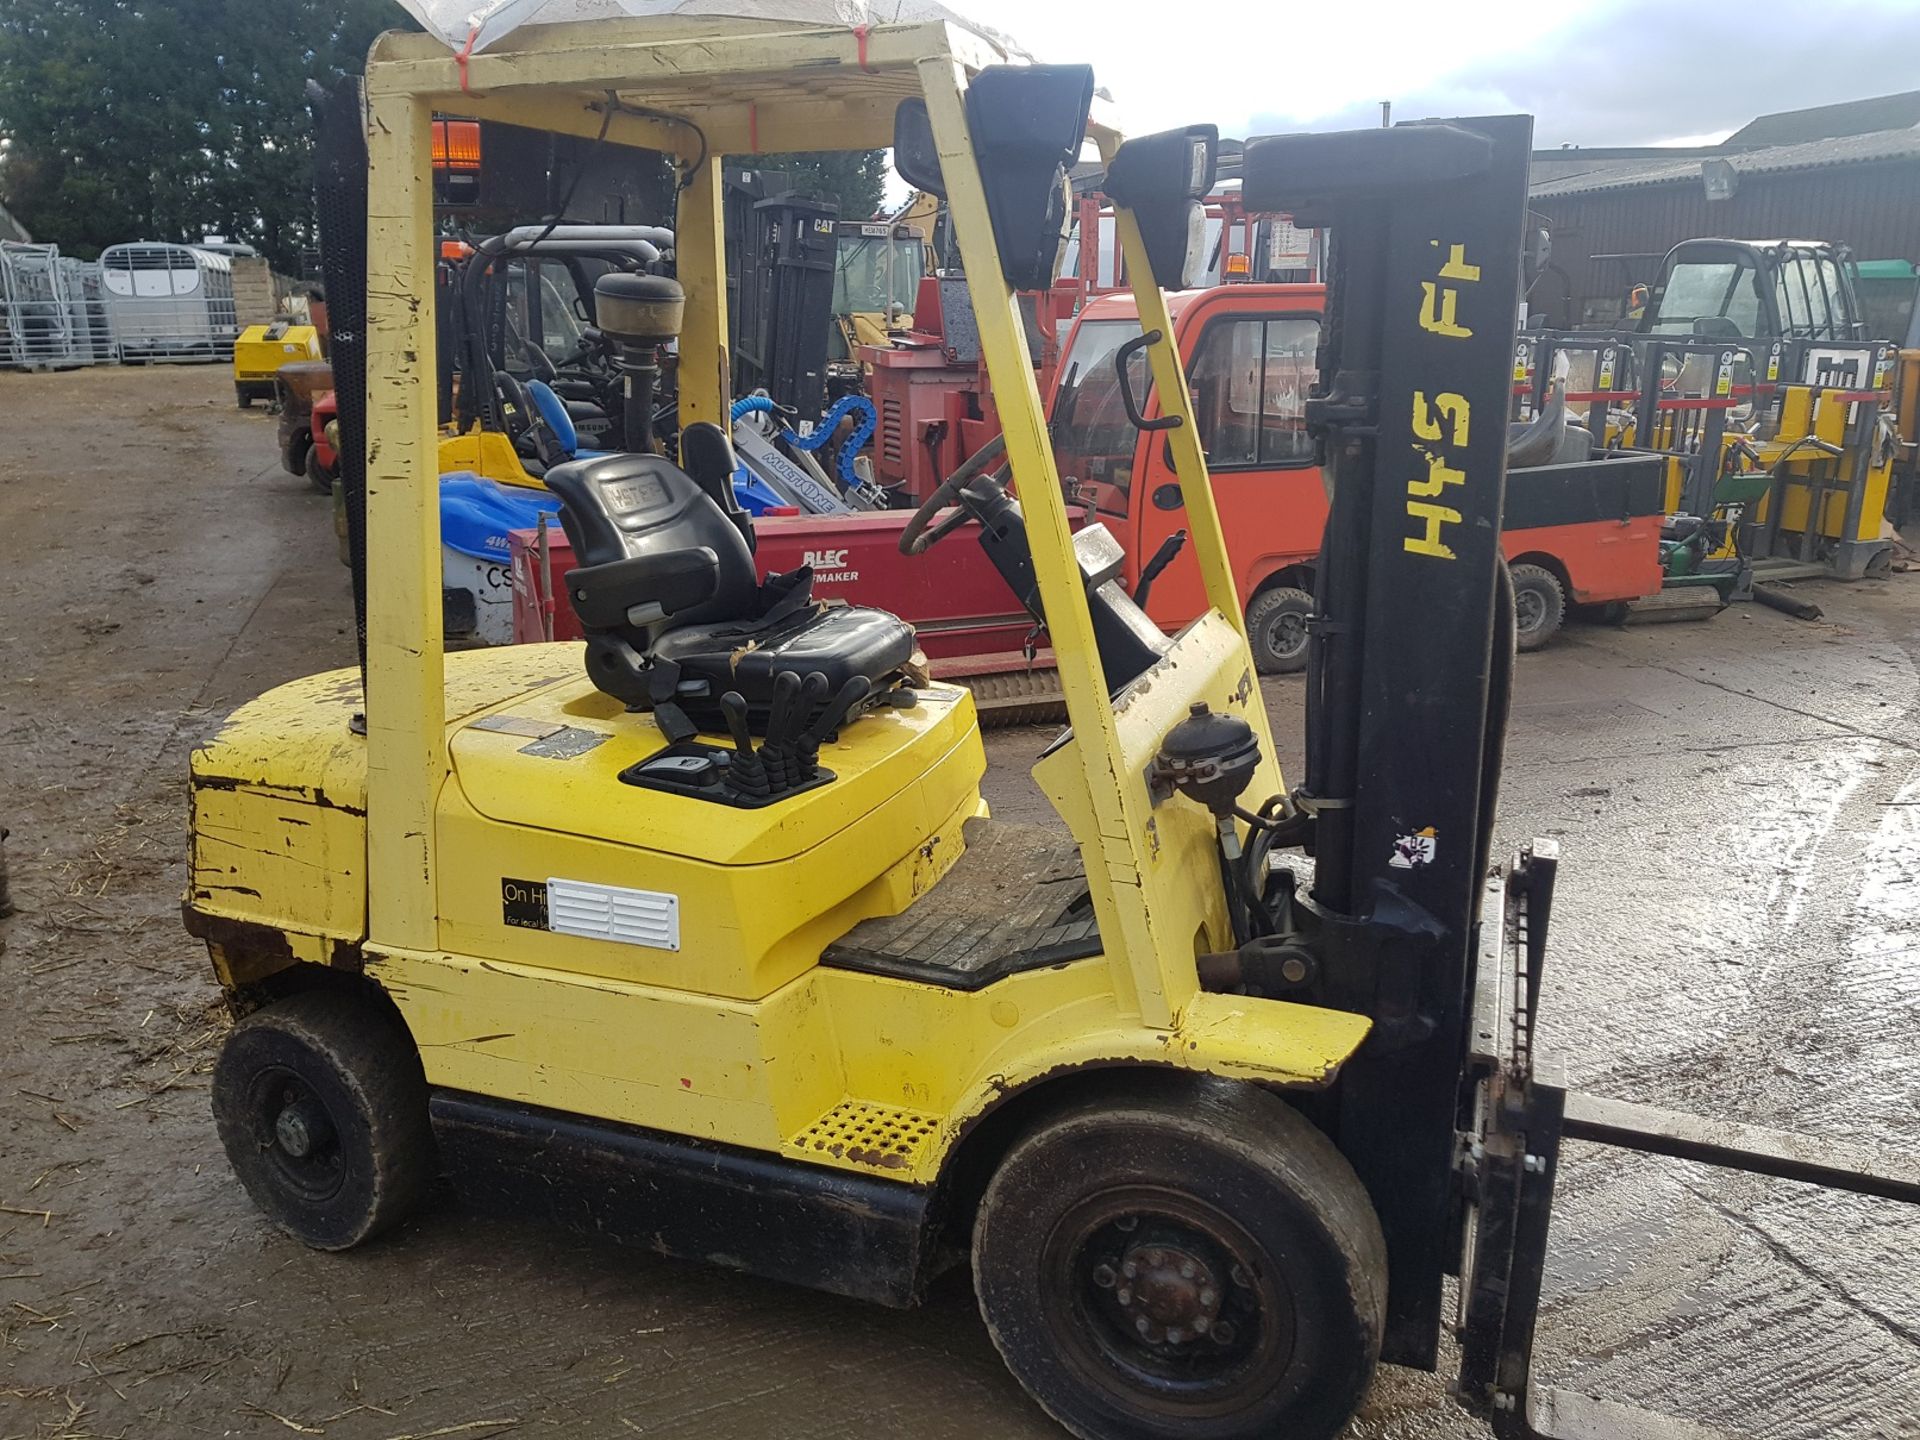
{"x":1167,"y":1294}
{"x":302,"y":1128}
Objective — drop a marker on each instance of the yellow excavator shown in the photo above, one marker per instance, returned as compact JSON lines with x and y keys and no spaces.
{"x":877,"y":271}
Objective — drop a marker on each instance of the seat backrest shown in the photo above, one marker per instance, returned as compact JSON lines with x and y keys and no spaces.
{"x":642,"y":507}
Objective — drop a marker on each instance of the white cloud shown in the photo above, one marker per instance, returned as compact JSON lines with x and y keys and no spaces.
{"x":1609,"y":72}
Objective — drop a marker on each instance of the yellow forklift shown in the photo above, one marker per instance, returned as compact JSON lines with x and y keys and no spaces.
{"x":712,"y":946}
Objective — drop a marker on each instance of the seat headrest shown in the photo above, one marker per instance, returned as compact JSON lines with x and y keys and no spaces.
{"x":707,"y":450}
{"x":620,"y":507}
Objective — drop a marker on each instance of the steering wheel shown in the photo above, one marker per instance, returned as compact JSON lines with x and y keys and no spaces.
{"x":957,"y":490}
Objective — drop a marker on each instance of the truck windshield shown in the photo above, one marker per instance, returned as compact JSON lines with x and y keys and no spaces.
{"x":1812,"y":301}
{"x":1723,"y":291}
{"x":1093,"y":441}
{"x":871,"y":275}
{"x":875,"y":272}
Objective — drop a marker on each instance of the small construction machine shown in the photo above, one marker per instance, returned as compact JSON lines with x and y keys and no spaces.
{"x":260,"y":351}
{"x":712,"y":945}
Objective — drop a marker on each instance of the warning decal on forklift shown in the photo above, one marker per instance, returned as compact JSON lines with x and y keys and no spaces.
{"x":524,"y":903}
{"x":1418,"y":848}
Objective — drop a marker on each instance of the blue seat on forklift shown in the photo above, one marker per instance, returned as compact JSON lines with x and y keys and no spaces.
{"x":674,"y":613}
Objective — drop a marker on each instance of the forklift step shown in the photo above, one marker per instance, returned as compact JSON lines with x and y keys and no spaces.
{"x":880,"y":1137}
{"x":1016,"y":697}
{"x":1676,"y":602}
{"x":1016,"y":900}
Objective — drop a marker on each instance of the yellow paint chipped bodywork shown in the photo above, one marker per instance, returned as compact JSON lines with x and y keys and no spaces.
{"x":769,"y":1074}
{"x":739,"y":1034}
{"x":487,"y":453}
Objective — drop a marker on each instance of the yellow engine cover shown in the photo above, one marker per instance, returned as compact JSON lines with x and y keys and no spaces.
{"x":262,"y":349}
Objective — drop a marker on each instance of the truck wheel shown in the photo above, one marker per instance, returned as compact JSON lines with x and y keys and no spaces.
{"x":316,"y":472}
{"x":243,"y":395}
{"x":322,"y":1106}
{"x":1151,"y":1267}
{"x":1539,"y":606}
{"x":1277,"y":630}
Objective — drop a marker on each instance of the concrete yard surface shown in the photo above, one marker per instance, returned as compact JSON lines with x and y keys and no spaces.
{"x":1737,"y":934}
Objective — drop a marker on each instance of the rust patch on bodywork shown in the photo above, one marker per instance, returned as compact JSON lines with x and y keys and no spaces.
{"x":299,"y":794}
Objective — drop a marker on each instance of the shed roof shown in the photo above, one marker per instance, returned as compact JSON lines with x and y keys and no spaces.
{"x":1878,"y":147}
{"x":1826,"y":122}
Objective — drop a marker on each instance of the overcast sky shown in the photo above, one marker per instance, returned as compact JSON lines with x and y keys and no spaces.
{"x":1603,"y":72}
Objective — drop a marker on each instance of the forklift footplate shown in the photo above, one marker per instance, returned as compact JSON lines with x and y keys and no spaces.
{"x":1016,"y":900}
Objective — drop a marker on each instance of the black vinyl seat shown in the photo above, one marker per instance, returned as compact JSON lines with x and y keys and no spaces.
{"x":675,"y":614}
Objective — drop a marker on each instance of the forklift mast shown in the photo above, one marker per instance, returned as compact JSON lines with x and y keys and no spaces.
{"x":1405,"y":715}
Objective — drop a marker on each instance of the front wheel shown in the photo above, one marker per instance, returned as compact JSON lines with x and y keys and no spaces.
{"x":322,"y":1107}
{"x":317,"y":475}
{"x":1539,"y":606}
{"x":1277,"y":630}
{"x":1201,"y":1266}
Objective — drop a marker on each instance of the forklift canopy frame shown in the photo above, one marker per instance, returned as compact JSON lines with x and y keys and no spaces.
{"x":698,"y":90}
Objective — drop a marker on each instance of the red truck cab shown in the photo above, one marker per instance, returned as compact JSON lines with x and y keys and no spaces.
{"x":1582,"y":533}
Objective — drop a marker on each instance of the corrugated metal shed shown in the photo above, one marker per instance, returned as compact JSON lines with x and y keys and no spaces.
{"x":1771,"y":160}
{"x":1816,"y":122}
{"x":1861,"y":191}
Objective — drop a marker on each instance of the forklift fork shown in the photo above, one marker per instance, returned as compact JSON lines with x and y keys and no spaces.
{"x":1517,"y":1116}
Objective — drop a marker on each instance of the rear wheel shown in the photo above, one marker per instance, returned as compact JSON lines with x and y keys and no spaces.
{"x":1277,"y":630}
{"x":1200,"y":1266}
{"x":322,"y":1106}
{"x":243,"y":395}
{"x":317,"y":473}
{"x":1539,"y":606}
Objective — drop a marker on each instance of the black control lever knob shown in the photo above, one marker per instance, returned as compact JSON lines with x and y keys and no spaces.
{"x":835,"y":715}
{"x":748,"y":773}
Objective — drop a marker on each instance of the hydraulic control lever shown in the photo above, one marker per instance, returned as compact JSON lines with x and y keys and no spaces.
{"x":793,"y":700}
{"x":748,"y":773}
{"x":782,"y":718}
{"x":831,"y":719}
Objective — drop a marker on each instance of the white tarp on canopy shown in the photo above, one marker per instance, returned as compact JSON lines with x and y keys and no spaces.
{"x":473,"y":25}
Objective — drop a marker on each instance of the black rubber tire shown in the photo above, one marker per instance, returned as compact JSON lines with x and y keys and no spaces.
{"x":1304,"y":1250}
{"x":352,"y":1059}
{"x":316,"y":475}
{"x":242,"y":394}
{"x":1539,"y":606}
{"x":1277,"y":630}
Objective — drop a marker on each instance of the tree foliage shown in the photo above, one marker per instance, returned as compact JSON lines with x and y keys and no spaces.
{"x":170,"y":119}
{"x":856,"y":178}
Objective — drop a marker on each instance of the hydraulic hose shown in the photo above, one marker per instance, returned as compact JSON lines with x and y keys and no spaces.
{"x":846,"y":405}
